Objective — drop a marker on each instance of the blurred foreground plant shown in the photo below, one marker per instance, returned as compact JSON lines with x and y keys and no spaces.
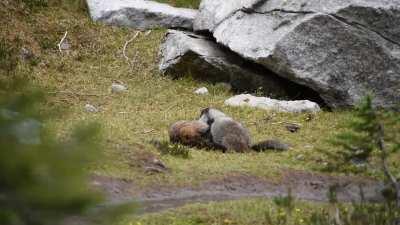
{"x":43,"y":180}
{"x":370,"y":132}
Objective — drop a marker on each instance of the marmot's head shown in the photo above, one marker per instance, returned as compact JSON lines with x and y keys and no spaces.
{"x":208,"y":115}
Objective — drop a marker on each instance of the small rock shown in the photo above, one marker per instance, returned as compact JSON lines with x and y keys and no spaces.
{"x":201,"y":91}
{"x":300,"y":157}
{"x":65,"y":45}
{"x":148,"y":161}
{"x":298,"y":106}
{"x":90,"y":108}
{"x":117,"y":88}
{"x":26,"y":54}
{"x":292,"y":127}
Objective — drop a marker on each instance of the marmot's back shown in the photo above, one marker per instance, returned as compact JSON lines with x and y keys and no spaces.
{"x":230,"y":135}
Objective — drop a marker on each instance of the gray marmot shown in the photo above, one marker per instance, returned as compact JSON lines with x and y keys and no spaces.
{"x":230,"y":135}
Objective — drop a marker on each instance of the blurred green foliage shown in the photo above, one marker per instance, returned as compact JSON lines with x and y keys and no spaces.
{"x":360,"y":141}
{"x":44,"y":178}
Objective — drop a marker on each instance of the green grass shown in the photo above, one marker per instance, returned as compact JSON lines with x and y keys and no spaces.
{"x":182,"y":3}
{"x":131,"y":120}
{"x":249,"y":211}
{"x":271,"y":212}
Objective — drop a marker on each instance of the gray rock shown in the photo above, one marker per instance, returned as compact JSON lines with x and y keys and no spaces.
{"x":265,"y":103}
{"x":187,"y":53}
{"x":26,"y":54}
{"x":213,"y":12}
{"x":118,"y":88}
{"x":91,"y":108}
{"x":140,"y":14}
{"x":342,"y":49}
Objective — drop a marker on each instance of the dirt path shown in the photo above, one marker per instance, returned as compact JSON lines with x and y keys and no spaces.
{"x":304,"y":186}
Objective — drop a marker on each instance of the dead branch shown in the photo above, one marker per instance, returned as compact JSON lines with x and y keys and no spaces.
{"x":126,"y":45}
{"x":62,"y":41}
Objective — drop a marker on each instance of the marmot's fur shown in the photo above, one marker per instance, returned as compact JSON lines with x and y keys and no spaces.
{"x":190,"y":133}
{"x":230,"y":135}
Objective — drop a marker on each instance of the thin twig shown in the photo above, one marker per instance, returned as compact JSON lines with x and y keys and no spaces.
{"x":126,"y":45}
{"x":62,"y":40}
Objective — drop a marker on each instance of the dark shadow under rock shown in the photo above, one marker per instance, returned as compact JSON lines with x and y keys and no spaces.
{"x":185,"y":53}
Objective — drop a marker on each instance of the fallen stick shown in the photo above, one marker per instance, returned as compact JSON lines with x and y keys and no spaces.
{"x":126,"y":45}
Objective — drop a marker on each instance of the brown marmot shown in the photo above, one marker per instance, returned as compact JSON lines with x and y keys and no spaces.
{"x":190,"y":133}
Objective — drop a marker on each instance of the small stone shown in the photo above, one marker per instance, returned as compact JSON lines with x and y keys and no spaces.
{"x":201,"y":91}
{"x":292,"y":127}
{"x":118,"y":88}
{"x":90,"y":108}
{"x":26,"y":54}
{"x":300,"y":157}
{"x":65,"y":45}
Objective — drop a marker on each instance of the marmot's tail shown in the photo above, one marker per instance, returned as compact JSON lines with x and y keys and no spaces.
{"x":270,"y":145}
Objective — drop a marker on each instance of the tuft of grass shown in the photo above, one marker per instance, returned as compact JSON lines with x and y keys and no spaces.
{"x":182,"y":3}
{"x":174,"y":149}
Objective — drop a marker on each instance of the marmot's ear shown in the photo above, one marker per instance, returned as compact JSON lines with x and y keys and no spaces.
{"x":204,"y":111}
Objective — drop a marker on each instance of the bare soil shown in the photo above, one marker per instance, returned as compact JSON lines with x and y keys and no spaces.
{"x":303,"y":185}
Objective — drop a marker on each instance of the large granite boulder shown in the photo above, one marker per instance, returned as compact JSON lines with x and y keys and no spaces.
{"x":140,"y":14}
{"x":184,"y":53}
{"x":342,"y":49}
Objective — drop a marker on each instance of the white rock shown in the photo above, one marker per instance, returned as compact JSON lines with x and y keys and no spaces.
{"x":273,"y":104}
{"x":141,"y":14}
{"x":91,"y":108}
{"x":117,"y":88}
{"x":201,"y":91}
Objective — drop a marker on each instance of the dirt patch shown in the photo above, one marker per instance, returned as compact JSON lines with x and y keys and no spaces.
{"x":304,"y":186}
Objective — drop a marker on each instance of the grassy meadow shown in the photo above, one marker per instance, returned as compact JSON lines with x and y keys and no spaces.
{"x":130,"y":120}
